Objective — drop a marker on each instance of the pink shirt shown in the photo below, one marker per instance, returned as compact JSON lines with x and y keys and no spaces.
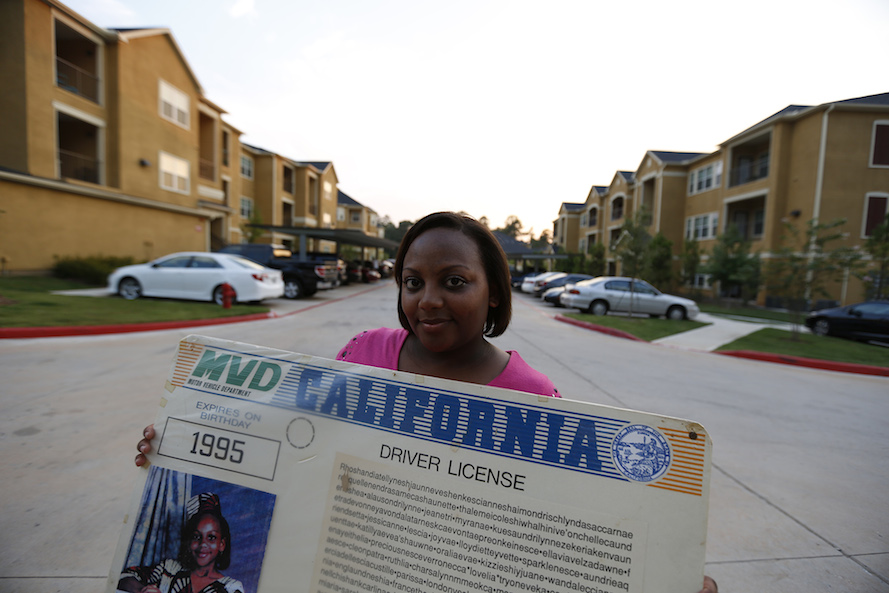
{"x":381,"y":348}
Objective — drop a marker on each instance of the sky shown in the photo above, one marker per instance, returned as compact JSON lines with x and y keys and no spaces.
{"x":507,"y":107}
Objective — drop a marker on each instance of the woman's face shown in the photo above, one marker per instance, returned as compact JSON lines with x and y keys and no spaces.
{"x":207,"y":542}
{"x":445,"y":294}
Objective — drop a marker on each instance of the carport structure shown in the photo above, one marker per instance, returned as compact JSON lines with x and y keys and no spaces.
{"x":338,"y":236}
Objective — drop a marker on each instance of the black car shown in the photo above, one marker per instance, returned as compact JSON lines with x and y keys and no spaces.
{"x":862,"y":321}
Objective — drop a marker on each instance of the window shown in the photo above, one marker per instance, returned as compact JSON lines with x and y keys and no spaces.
{"x":617,"y":209}
{"x":341,"y":214}
{"x":594,"y":217}
{"x":583,"y":220}
{"x":701,"y":281}
{"x":876,"y":207}
{"x":582,"y":245}
{"x":705,"y":178}
{"x":174,"y":173}
{"x":288,"y":179}
{"x":328,"y":190}
{"x":174,"y":104}
{"x":246,"y":167}
{"x":703,"y":226}
{"x":879,"y":152}
{"x":356,"y":216}
{"x":246,"y":208}
{"x":226,"y":141}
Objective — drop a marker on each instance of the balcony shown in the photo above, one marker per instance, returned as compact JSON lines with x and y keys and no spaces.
{"x":78,"y":166}
{"x":750,"y":161}
{"x":77,"y":80}
{"x":746,"y":171}
{"x":207,"y":169}
{"x":78,"y":149}
{"x":77,"y":62}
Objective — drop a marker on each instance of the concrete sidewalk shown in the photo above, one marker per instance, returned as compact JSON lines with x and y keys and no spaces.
{"x":721,"y":331}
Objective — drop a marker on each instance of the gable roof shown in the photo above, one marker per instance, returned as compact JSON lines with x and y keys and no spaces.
{"x":793,"y":111}
{"x":320,"y":165}
{"x":572,"y":206}
{"x":669,"y":156}
{"x":342,"y":198}
{"x":879,"y":99}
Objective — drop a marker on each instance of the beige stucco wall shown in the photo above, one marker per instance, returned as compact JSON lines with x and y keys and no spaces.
{"x":76,"y":225}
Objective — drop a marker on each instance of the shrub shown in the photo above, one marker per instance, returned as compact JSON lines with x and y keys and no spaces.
{"x":92,"y":270}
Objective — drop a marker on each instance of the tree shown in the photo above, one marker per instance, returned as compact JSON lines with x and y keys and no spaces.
{"x":804,"y":265}
{"x":596,"y":261}
{"x":395,"y":233}
{"x":733,"y":266}
{"x":250,"y":228}
{"x":658,"y":268}
{"x":544,"y":240}
{"x":877,"y":245}
{"x":690,"y":262}
{"x":512,"y":227}
{"x":484,"y":221}
{"x":632,"y":246}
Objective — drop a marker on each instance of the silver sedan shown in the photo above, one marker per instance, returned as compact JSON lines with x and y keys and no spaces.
{"x":617,"y":293}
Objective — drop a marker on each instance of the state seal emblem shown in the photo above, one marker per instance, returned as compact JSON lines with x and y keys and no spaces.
{"x":641,"y":453}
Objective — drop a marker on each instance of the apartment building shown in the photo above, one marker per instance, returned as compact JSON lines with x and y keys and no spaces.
{"x":822,"y":162}
{"x":109,"y":144}
{"x":110,"y":147}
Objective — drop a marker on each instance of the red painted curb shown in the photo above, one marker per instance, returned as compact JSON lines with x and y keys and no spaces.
{"x":814,"y":363}
{"x":599,"y":328}
{"x":124,"y":328}
{"x":827,"y":365}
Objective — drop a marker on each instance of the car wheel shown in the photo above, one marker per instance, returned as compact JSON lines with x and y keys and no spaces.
{"x":676,"y":313}
{"x":129,"y":288}
{"x":217,"y":295}
{"x":293,"y":289}
{"x":821,"y":327}
{"x":598,"y":308}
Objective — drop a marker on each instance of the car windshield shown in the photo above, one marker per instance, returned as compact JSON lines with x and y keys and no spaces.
{"x":244,"y":262}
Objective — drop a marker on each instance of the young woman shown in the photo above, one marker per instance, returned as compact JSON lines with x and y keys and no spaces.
{"x":204,"y":551}
{"x":453,"y":294}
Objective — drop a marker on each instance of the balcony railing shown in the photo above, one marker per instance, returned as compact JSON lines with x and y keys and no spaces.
{"x":749,"y":171}
{"x":207,"y":169}
{"x":77,"y":80}
{"x":78,"y":166}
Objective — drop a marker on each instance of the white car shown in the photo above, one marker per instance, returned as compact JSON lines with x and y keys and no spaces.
{"x":612,"y":293}
{"x":529,"y":283}
{"x":197,"y":275}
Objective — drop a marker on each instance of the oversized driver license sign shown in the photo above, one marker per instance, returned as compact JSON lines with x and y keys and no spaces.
{"x":335,"y":477}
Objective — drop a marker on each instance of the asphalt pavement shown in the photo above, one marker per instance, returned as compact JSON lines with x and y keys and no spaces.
{"x":798,"y":489}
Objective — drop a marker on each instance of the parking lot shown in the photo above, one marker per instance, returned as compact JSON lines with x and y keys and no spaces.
{"x":800,"y":465}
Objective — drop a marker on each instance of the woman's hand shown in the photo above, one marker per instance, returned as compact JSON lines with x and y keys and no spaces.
{"x":709,"y":586}
{"x":144,"y":445}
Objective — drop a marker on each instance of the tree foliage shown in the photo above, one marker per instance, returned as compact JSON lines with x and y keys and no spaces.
{"x":396,"y":233}
{"x":595,"y":264}
{"x":632,"y":246}
{"x":733,"y":266}
{"x":877,"y":245}
{"x":512,"y":227}
{"x":804,"y":265}
{"x":690,"y":261}
{"x":658,"y":267}
{"x":250,"y":228}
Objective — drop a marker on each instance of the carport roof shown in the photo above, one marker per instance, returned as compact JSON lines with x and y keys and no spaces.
{"x":347,"y":236}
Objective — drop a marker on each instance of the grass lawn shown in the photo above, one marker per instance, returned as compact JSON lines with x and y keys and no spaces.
{"x":739,"y":313}
{"x":809,"y":345}
{"x":26,"y":301}
{"x":644,"y":328}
